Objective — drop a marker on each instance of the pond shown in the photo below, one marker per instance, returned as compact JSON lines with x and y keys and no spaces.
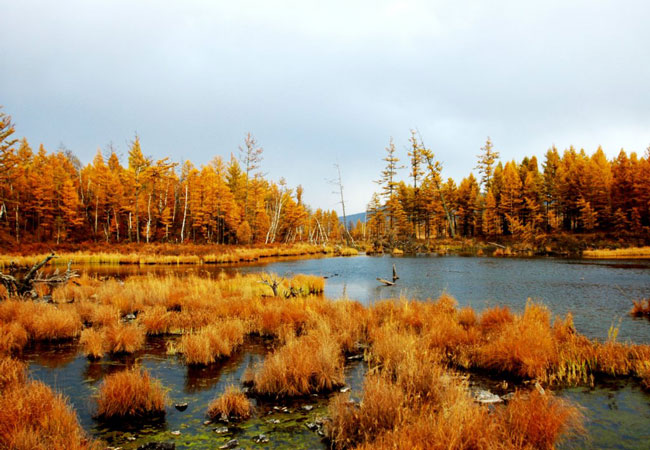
{"x":597,"y":293}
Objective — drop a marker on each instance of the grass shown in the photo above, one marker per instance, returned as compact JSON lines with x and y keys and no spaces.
{"x":92,"y":343}
{"x":33,"y":417}
{"x":231,"y":405}
{"x":124,"y":338}
{"x":413,"y":395}
{"x":622,"y":253}
{"x":303,"y":365}
{"x":130,"y":393}
{"x":163,"y":254}
{"x":641,"y":308}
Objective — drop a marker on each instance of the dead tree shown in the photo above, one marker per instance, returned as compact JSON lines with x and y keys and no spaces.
{"x":272,"y":282}
{"x":26,"y":285}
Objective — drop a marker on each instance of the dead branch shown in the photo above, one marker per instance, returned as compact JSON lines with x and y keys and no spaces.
{"x":25,"y":286}
{"x":272,"y":282}
{"x":386,"y":282}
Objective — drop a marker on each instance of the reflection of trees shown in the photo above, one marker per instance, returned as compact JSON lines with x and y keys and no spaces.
{"x":52,"y":355}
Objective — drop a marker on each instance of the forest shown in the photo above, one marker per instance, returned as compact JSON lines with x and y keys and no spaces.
{"x":51,"y":197}
{"x":573,"y":192}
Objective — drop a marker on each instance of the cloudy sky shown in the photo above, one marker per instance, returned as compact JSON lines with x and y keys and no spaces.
{"x":324,"y":82}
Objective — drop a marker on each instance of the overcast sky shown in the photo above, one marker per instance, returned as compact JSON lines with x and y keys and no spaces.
{"x":325,"y":82}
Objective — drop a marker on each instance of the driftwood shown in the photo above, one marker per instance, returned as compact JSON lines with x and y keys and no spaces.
{"x":386,"y":282}
{"x":25,"y":286}
{"x":497,"y":245}
{"x":390,"y":283}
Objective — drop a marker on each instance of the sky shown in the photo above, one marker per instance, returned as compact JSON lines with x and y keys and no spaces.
{"x":321,"y":83}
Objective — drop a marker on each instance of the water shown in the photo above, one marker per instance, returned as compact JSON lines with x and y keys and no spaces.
{"x":598,"y":293}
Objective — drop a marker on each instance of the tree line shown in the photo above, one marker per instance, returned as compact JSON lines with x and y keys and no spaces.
{"x":571,"y":191}
{"x":51,"y":197}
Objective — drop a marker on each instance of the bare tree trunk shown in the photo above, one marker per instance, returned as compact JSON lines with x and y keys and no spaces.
{"x":148,"y":218}
{"x":184,"y":216}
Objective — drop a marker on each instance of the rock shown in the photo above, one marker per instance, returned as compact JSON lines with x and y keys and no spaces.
{"x":176,"y":432}
{"x":345,"y":389}
{"x":487,"y":397}
{"x":230,"y":444}
{"x":261,"y":439}
{"x":221,"y":430}
{"x":207,"y":422}
{"x":355,"y":357}
{"x":307,"y":407}
{"x":321,"y":433}
{"x":311,"y":426}
{"x":273,"y":421}
{"x":129,"y":316}
{"x":158,"y":446}
{"x":181,"y":406}
{"x":131,"y":438}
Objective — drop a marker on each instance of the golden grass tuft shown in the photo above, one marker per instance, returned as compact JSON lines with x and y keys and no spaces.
{"x":641,"y":308}
{"x":214,"y":341}
{"x":12,"y":372}
{"x":124,"y":338}
{"x":231,"y":405}
{"x":307,"y":364}
{"x":32,"y":417}
{"x":130,"y":393}
{"x":92,"y":343}
{"x":13,"y":338}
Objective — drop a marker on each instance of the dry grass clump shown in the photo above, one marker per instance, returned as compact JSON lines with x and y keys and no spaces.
{"x":156,"y":320}
{"x":42,"y":321}
{"x":124,"y":338}
{"x":632,"y":252}
{"x":524,"y":347}
{"x":231,"y":405}
{"x":494,"y":318}
{"x":12,"y":372}
{"x":92,"y":343}
{"x":130,"y":393}
{"x":13,"y":338}
{"x":380,"y":410}
{"x":307,"y":364}
{"x":32,"y":417}
{"x":214,"y":341}
{"x":537,"y":420}
{"x":641,"y":308}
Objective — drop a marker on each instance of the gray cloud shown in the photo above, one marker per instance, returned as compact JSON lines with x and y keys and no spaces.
{"x":319,"y":83}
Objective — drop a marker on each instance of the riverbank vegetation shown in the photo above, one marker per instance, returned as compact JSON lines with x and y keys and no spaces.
{"x":419,"y":354}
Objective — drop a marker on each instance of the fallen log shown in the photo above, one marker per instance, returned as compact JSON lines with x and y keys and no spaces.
{"x":386,"y":282}
{"x":25,"y":286}
{"x":395,"y":277}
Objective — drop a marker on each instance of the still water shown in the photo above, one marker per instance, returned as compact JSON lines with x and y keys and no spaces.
{"x":598,"y":293}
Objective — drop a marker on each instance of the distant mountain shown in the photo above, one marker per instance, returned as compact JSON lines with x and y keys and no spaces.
{"x":354,"y":217}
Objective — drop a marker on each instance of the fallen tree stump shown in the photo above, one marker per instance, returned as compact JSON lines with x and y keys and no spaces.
{"x":26,"y":285}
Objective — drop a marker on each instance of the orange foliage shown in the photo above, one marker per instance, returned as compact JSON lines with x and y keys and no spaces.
{"x":92,"y":343}
{"x":124,"y":338}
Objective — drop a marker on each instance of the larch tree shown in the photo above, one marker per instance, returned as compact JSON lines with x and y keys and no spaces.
{"x":486,"y":162}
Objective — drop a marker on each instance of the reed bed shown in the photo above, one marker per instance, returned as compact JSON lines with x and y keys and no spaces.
{"x":619,"y":253}
{"x":130,"y":393}
{"x":33,"y":417}
{"x":232,"y":405}
{"x":173,"y":255}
